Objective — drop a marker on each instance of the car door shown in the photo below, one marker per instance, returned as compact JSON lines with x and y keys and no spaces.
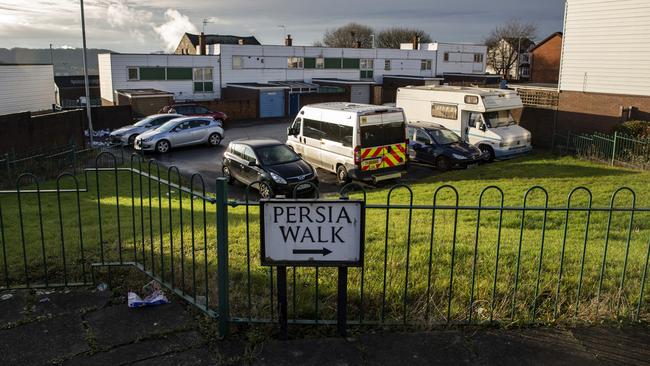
{"x":236,"y":162}
{"x":181,"y":134}
{"x":474,"y":133}
{"x":312,"y":135}
{"x":249,"y":173}
{"x":423,"y":147}
{"x":198,"y":129}
{"x":295,"y":141}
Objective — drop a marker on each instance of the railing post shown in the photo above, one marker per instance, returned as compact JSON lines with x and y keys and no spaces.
{"x":222,"y":256}
{"x":614,"y":147}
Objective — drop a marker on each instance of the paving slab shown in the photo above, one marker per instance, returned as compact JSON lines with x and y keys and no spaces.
{"x":532,"y":346}
{"x":443,"y":347}
{"x":118,"y":324}
{"x":15,"y":308}
{"x":140,"y":350}
{"x":40,"y":342}
{"x":616,"y":346}
{"x":59,"y":302}
{"x":193,"y":357}
{"x":325,"y":351}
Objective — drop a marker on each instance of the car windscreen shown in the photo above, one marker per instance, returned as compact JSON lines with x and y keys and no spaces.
{"x":167,"y":126}
{"x":498,"y":119}
{"x":144,"y":121}
{"x":276,"y":154}
{"x":382,"y":134}
{"x":444,"y":136}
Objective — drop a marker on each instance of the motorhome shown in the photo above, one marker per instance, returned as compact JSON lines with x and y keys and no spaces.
{"x":355,"y":141}
{"x":482,"y":117}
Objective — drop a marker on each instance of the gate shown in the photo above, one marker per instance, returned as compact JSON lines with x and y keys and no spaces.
{"x":427,"y":261}
{"x":271,"y":103}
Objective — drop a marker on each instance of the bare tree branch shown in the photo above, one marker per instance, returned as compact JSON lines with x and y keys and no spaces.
{"x":506,"y":42}
{"x":393,"y":37}
{"x":348,"y":36}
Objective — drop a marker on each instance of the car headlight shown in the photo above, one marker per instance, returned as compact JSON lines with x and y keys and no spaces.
{"x":146,"y":139}
{"x":459,"y":157}
{"x":278,"y":179}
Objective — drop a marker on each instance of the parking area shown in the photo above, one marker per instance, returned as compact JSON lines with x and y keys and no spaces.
{"x":206,"y":160}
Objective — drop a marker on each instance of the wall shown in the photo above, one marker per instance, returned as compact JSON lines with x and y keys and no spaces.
{"x":545,"y":66}
{"x":606,"y":47}
{"x":26,"y":88}
{"x":111,"y":117}
{"x":22,"y":133}
{"x":185,"y":46}
{"x":313,"y":98}
{"x":234,"y":109}
{"x":461,"y":58}
{"x":116,"y":65}
{"x":540,"y":122}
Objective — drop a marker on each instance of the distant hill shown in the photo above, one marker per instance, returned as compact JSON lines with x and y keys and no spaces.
{"x":67,"y":61}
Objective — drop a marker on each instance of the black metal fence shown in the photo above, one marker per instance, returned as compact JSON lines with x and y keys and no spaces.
{"x":614,"y":149}
{"x":427,"y":260}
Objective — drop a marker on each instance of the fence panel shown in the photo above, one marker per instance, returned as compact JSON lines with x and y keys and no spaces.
{"x":616,"y":149}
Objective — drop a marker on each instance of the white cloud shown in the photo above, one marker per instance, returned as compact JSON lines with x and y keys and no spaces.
{"x":172,"y":30}
{"x":119,"y":14}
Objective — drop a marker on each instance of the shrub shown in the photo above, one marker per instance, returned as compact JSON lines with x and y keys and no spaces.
{"x":638,"y":129}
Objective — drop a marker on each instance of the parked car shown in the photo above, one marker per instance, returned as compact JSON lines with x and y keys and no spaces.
{"x":126,"y":135}
{"x":433,"y":144}
{"x":269,"y":161}
{"x":191,"y":109}
{"x":179,"y":132}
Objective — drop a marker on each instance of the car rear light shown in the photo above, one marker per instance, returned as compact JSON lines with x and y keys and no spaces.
{"x":357,"y":155}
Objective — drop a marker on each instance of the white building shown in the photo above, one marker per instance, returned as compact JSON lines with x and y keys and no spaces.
{"x":455,"y":58}
{"x":26,"y":87}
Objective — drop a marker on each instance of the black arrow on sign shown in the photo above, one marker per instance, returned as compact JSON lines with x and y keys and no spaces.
{"x":323,"y":251}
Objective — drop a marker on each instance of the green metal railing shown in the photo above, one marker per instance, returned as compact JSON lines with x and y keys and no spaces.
{"x":426,"y":262}
{"x":615,"y":149}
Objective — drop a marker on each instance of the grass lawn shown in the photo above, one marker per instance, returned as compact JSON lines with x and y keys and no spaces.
{"x":150,"y":217}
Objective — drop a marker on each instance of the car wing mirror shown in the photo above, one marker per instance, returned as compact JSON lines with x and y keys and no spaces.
{"x":482,"y":127}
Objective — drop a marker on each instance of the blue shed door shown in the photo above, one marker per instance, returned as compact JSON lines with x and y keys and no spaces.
{"x":271,"y":103}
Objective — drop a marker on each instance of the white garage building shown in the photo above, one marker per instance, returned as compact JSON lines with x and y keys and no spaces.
{"x":26,"y":88}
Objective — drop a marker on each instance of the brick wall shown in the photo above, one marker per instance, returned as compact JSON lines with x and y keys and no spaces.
{"x":314,"y":98}
{"x":539,"y":121}
{"x":545,"y":66}
{"x":234,"y":109}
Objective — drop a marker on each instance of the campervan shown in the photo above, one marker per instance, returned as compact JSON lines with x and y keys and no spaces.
{"x":481,"y":116}
{"x":355,"y":141}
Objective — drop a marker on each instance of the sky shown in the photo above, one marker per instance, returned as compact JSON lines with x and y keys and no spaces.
{"x":157,"y":25}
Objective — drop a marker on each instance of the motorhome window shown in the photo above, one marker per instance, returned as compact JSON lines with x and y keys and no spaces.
{"x":473,"y":119}
{"x":445,"y":111}
{"x":422,"y":137}
{"x":311,"y":128}
{"x":498,"y":119}
{"x":383,"y":134}
{"x":444,"y":136}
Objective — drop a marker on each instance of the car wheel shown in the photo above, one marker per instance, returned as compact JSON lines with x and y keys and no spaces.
{"x":214,"y":139}
{"x":226,"y":173}
{"x":131,"y":140}
{"x":487,"y":149}
{"x":342,"y":176}
{"x":162,"y":146}
{"x":443,"y":163}
{"x":265,"y":191}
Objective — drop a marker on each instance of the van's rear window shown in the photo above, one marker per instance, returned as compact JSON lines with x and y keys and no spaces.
{"x":382,"y":134}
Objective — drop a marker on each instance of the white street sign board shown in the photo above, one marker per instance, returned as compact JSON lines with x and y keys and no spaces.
{"x":312,"y":232}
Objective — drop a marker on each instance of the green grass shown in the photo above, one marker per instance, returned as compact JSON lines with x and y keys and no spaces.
{"x":557,"y":175}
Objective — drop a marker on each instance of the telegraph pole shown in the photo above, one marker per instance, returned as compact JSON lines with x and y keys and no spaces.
{"x":83,"y":35}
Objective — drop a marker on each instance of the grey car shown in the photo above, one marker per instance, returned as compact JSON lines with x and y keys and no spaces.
{"x":126,"y":135}
{"x":179,"y":132}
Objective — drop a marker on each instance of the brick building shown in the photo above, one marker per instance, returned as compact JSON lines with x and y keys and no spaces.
{"x":545,"y":60}
{"x":190,"y":44}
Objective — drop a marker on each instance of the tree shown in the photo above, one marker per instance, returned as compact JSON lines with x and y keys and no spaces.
{"x":393,"y":37}
{"x":348,"y":35}
{"x":506,"y":42}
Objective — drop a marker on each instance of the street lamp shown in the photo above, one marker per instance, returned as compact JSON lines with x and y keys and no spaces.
{"x":88,"y":114}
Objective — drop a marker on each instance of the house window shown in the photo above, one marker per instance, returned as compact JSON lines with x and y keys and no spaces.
{"x":425,"y":65}
{"x":331,"y":63}
{"x":179,"y":73}
{"x":445,"y":111}
{"x":202,"y":77}
{"x":386,"y":65}
{"x":366,"y":64}
{"x":478,"y":57}
{"x":320,"y":63}
{"x":366,"y":74}
{"x":133,"y":73}
{"x":309,"y":62}
{"x":295,"y":62}
{"x":446,"y":57}
{"x":350,"y":63}
{"x":237,"y":62}
{"x":152,"y":73}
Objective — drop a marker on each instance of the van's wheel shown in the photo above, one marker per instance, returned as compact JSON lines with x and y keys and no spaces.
{"x":342,"y":176}
{"x":214,"y":139}
{"x":443,"y":163}
{"x":131,"y":140}
{"x":265,"y":191}
{"x":487,"y":149}
{"x":162,"y":146}
{"x":226,"y":173}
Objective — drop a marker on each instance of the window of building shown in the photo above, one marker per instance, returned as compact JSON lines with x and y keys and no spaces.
{"x":133,"y":73}
{"x":309,"y":62}
{"x":351,"y":63}
{"x":295,"y":63}
{"x":446,"y":57}
{"x":425,"y":65}
{"x":152,"y":73}
{"x":445,"y":111}
{"x":478,"y":57}
{"x":366,"y":74}
{"x":237,"y":62}
{"x":366,"y":64}
{"x":179,"y":73}
{"x":386,"y":65}
{"x":203,"y":82}
{"x":320,"y":63}
{"x":331,"y":63}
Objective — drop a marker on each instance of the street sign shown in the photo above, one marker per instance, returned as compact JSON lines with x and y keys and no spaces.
{"x":312,"y":233}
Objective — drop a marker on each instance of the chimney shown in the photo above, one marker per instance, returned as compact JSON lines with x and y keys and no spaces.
{"x":201,"y":44}
{"x":288,"y":41}
{"x":415,"y":42}
{"x":241,"y":41}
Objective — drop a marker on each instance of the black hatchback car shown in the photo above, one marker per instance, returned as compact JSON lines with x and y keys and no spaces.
{"x":433,"y":144}
{"x":276,"y":165}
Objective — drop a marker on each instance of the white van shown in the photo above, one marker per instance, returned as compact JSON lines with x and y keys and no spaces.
{"x":355,"y":141}
{"x":481,"y":117}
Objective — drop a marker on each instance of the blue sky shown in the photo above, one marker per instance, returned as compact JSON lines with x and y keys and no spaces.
{"x":137,"y":26}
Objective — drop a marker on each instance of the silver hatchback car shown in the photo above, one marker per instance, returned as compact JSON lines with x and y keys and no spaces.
{"x":179,"y":132}
{"x":126,"y":135}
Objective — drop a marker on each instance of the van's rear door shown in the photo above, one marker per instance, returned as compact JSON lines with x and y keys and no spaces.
{"x":383,"y":141}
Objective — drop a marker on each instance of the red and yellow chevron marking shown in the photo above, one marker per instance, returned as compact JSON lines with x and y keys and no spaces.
{"x":378,"y":157}
{"x":371,"y":152}
{"x":394,"y":155}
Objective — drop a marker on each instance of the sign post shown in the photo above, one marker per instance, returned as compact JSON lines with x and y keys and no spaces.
{"x":312,"y":233}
